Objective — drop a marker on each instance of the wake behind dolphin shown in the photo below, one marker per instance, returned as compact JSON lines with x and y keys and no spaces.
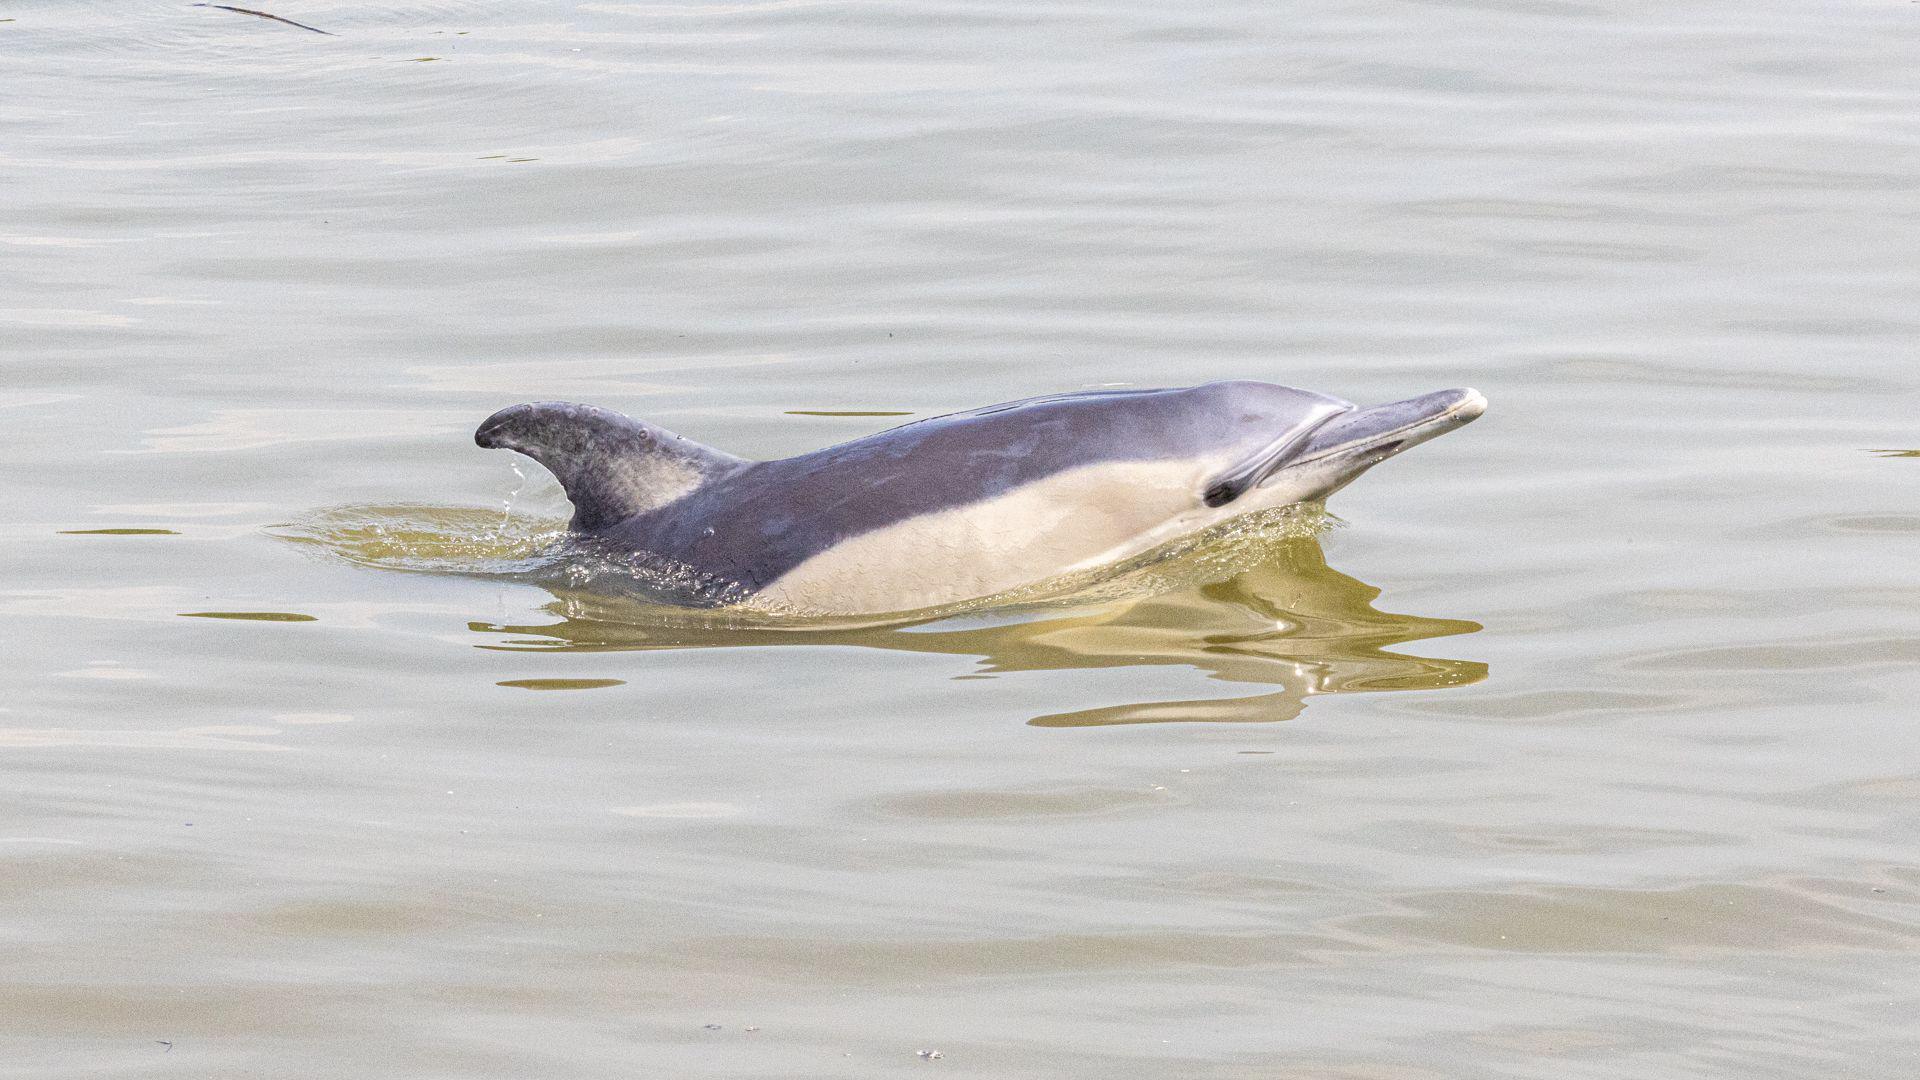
{"x":960,"y":507}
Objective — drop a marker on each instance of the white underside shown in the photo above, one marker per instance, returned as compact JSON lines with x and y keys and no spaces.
{"x":1068,"y":522}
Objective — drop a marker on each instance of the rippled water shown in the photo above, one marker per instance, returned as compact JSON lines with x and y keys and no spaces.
{"x":1600,"y":756}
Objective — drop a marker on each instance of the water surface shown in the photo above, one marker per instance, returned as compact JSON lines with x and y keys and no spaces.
{"x":1585,"y":748}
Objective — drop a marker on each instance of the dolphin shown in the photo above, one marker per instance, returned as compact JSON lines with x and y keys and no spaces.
{"x":964,"y":506}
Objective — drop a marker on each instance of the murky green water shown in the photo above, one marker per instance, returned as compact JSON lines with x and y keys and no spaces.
{"x":1600,"y":754}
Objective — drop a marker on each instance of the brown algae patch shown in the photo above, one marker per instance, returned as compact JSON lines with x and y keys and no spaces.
{"x":561,"y":684}
{"x":250,"y":616}
{"x":118,"y":532}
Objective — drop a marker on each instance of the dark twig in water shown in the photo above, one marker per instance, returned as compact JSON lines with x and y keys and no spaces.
{"x":264,"y":15}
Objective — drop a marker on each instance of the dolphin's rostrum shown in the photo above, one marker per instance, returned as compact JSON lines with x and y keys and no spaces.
{"x":968,"y":505}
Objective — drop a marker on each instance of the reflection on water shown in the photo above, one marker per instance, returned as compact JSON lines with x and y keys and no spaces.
{"x":250,"y":616}
{"x":561,"y":684}
{"x":1253,"y":603}
{"x":1288,"y":623}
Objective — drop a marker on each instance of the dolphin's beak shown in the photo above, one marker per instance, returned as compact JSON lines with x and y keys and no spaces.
{"x":1355,"y":442}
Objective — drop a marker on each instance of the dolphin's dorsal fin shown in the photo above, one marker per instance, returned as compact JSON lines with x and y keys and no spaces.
{"x":612,"y":466}
{"x":1248,"y":473}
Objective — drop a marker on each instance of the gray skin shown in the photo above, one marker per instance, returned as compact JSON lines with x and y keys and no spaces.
{"x":739,"y":525}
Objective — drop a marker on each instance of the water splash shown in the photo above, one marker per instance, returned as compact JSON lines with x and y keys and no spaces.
{"x":431,"y":539}
{"x":506,"y":504}
{"x":472,"y":542}
{"x":1251,"y":602}
{"x":1258,"y":608}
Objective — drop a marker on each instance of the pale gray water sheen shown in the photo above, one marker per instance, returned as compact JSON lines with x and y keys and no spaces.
{"x":1600,"y":755}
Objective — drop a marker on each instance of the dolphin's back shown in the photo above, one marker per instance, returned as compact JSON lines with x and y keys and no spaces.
{"x":756,"y":524}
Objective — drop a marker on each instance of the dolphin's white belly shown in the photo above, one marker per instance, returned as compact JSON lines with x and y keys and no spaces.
{"x":1070,"y":521}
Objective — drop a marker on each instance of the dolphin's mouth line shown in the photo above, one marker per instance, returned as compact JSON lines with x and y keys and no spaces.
{"x":1378,"y":439}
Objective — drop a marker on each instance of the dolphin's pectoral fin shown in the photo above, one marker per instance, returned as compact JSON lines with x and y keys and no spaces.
{"x":1245,"y":475}
{"x":612,"y":466}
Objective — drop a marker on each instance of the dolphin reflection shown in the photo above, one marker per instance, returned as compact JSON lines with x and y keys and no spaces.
{"x":1288,"y":623}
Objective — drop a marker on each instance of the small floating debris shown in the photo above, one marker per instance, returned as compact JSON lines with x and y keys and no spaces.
{"x":561,"y":684}
{"x":845,"y":412}
{"x":929,"y":1055}
{"x":711,"y":1027}
{"x":250,"y":616}
{"x":118,"y":532}
{"x":264,"y":15}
